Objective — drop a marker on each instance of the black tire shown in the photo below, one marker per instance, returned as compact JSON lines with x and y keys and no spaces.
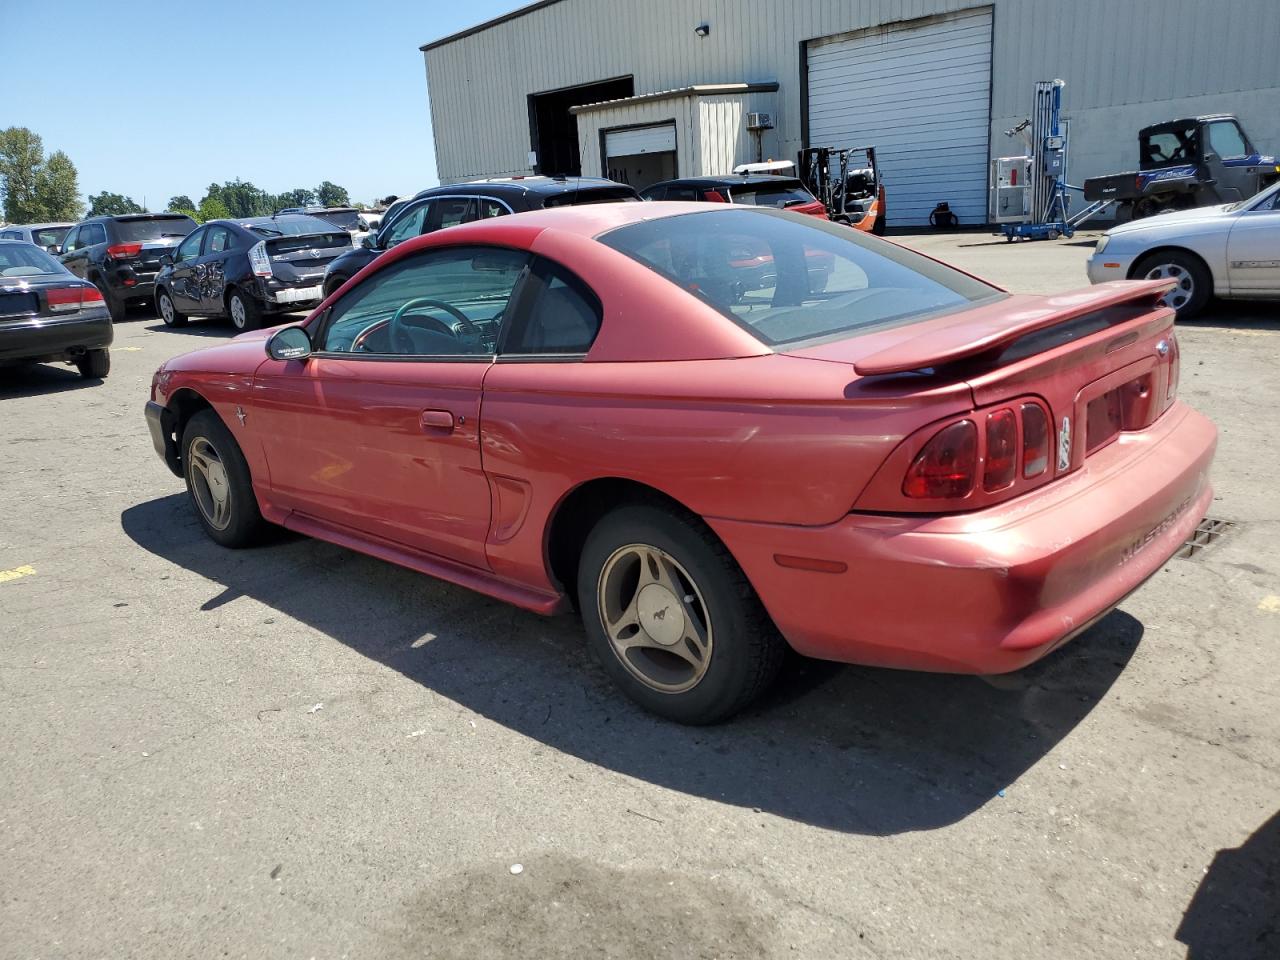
{"x":745,"y":649}
{"x":247,"y":315}
{"x":878,"y":227}
{"x":1195,"y":283}
{"x":94,"y":364}
{"x":332,"y":284}
{"x":243,"y":524}
{"x":115,"y":306}
{"x":168,"y":310}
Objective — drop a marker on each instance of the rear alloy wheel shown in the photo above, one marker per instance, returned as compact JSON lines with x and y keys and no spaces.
{"x":1193,"y":287}
{"x":168,"y":312}
{"x":94,"y":364}
{"x":218,"y":482}
{"x":672,"y":618}
{"x":243,"y":311}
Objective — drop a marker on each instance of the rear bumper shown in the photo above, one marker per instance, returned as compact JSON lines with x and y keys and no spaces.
{"x":54,"y":338}
{"x":993,"y":590}
{"x":275,"y":295}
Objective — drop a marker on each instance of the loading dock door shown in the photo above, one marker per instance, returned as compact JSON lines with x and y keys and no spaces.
{"x":920,"y":91}
{"x":641,"y":156}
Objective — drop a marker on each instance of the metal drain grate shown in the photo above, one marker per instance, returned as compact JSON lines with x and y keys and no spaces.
{"x":1208,"y":532}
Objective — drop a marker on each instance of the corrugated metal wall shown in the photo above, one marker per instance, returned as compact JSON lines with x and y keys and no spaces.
{"x":1126,"y":62}
{"x":723,"y":138}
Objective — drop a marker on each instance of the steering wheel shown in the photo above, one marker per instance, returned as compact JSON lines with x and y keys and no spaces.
{"x":464,"y":332}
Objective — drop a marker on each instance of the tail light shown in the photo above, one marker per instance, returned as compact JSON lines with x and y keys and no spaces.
{"x":124,"y":251}
{"x":947,"y":465}
{"x":258,"y":259}
{"x":72,"y":298}
{"x":1002,"y":450}
{"x":1035,"y":440}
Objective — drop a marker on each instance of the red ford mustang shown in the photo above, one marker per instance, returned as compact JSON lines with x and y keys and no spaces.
{"x":711,"y":451}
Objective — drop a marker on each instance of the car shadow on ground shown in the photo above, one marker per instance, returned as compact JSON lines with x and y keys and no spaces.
{"x":1243,"y":315}
{"x":1235,"y":914}
{"x":39,"y":379}
{"x":854,"y":749}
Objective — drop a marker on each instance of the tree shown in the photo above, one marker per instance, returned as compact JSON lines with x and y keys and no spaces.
{"x":181,"y":202}
{"x":212,"y":208}
{"x":242,"y":199}
{"x":301,"y":197}
{"x":331,"y":195}
{"x":58,"y":188}
{"x":112,"y":205}
{"x":21,"y":157}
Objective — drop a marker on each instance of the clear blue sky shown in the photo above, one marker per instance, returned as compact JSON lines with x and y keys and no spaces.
{"x":163,"y":99}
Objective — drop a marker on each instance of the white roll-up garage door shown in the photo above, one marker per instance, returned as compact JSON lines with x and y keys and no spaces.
{"x":920,"y":92}
{"x":629,"y":143}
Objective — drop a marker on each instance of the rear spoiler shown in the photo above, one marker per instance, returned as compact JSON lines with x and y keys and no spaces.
{"x":977,"y":331}
{"x":304,"y":241}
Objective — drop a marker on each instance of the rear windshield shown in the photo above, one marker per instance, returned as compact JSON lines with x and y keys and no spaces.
{"x":771,"y":194}
{"x":26,"y":260}
{"x":153,"y":228}
{"x":290,"y":225}
{"x":786,"y":277}
{"x":49,"y":236}
{"x":581,"y":198}
{"x":343,"y":219}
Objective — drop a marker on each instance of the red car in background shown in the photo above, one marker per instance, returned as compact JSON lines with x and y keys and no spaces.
{"x":899,"y":465}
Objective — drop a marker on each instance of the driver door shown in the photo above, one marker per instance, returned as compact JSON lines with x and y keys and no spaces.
{"x":183,"y":283}
{"x":378,"y":431}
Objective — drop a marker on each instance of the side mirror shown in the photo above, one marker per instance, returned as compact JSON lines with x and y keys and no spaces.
{"x":289,"y":343}
{"x":166,"y":259}
{"x":369,"y":241}
{"x":53,"y":248}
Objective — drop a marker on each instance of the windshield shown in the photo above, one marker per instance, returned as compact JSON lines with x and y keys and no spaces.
{"x":153,"y":228}
{"x":1268,"y":199}
{"x":343,"y":219}
{"x":26,"y":260}
{"x":581,"y":198}
{"x":771,"y":194}
{"x":49,"y":236}
{"x":290,"y":225}
{"x":786,"y":277}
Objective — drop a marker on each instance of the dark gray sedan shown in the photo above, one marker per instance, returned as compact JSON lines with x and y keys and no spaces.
{"x":49,"y":315}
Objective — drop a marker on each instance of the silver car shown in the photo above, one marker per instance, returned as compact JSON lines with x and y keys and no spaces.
{"x":1231,"y":251}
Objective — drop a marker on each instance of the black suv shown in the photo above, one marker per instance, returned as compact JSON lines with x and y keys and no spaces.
{"x":121,"y":255}
{"x":248,"y":269}
{"x":448,"y":206}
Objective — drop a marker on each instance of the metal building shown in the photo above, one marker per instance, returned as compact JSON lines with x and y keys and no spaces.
{"x":655,"y":88}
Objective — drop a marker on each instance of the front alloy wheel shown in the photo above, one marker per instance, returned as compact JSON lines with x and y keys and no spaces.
{"x":1193,"y":285}
{"x":218,"y":482}
{"x":210,"y":485}
{"x":655,"y":618}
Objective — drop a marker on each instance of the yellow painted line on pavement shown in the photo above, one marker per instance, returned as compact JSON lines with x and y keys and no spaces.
{"x":15,"y":573}
{"x":1270,"y":604}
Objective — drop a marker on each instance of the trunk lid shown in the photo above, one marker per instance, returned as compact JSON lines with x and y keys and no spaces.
{"x":304,"y":257}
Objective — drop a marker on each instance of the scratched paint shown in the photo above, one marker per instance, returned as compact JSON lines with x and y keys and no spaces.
{"x":16,"y":573}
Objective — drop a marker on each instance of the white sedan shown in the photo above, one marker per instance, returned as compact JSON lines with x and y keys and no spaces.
{"x":1230,"y":251}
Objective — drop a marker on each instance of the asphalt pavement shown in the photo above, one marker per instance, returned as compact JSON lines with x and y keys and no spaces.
{"x":298,"y":751}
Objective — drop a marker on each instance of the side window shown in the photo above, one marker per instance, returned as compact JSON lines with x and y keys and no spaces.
{"x":1226,"y":140}
{"x":219,"y":240}
{"x":682,"y":193}
{"x":10,"y":235}
{"x":564,"y":315}
{"x":407,"y":226}
{"x":189,"y":248}
{"x":487,"y":209}
{"x":92,"y":233}
{"x":449,"y":212}
{"x":70,"y":242}
{"x":438,"y":303}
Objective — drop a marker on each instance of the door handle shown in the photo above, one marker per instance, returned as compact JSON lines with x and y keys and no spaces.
{"x":437,"y":420}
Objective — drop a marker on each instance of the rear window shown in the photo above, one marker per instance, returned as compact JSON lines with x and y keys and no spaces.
{"x":49,"y":236}
{"x":290,"y":225}
{"x":1168,"y":147}
{"x":343,"y":219}
{"x":787,"y":278}
{"x":26,"y":260}
{"x":581,"y":198}
{"x":771,"y":194}
{"x":152,"y":228}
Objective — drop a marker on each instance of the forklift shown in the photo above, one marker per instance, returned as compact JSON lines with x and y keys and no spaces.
{"x":847,"y":181}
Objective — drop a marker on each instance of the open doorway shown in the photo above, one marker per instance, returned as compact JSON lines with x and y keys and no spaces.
{"x":553,"y":130}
